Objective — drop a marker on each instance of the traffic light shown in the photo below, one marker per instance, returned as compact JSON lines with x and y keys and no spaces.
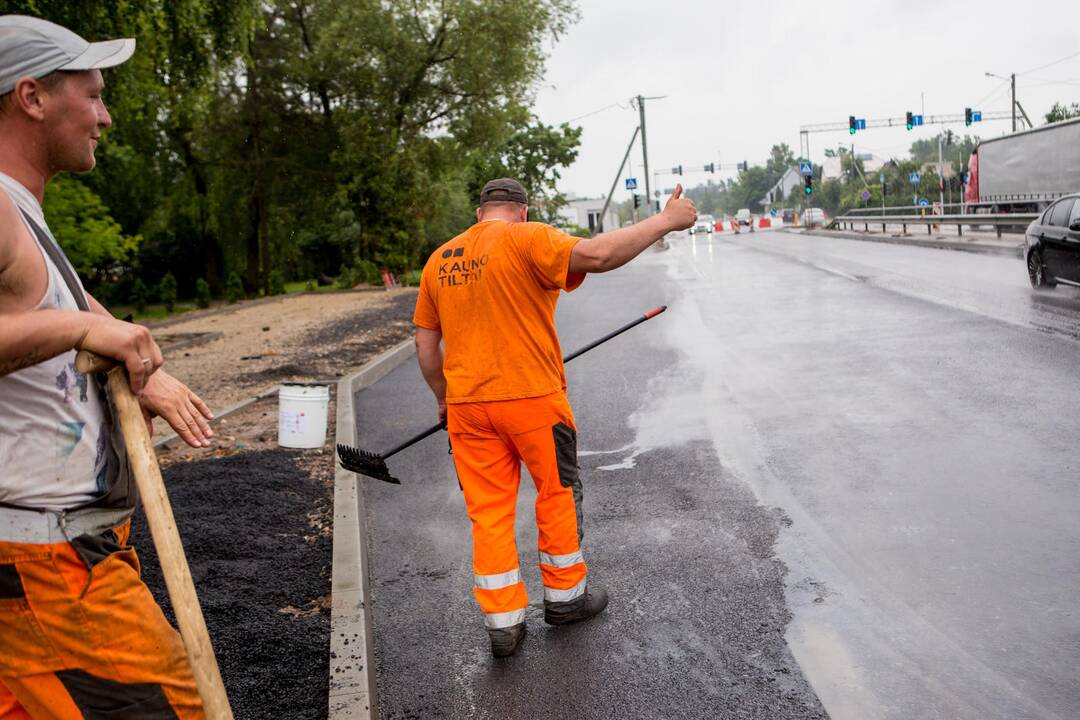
{"x":711,"y":167}
{"x":910,"y":120}
{"x":677,"y":170}
{"x":967,"y":116}
{"x":744,"y":165}
{"x":637,"y":201}
{"x":809,"y":183}
{"x":851,"y":124}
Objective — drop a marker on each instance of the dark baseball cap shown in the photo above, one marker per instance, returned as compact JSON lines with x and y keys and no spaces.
{"x":503,"y":190}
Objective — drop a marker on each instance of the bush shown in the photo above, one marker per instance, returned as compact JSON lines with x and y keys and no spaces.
{"x":275,"y":283}
{"x":345,"y":277}
{"x":411,"y":278}
{"x":140,"y":296}
{"x":367,"y":272}
{"x":309,"y":286}
{"x":167,"y":291}
{"x":202,"y":293}
{"x":234,"y":288}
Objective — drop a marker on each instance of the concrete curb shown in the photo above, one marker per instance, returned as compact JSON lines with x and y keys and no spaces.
{"x":935,"y":243}
{"x":353,"y":693}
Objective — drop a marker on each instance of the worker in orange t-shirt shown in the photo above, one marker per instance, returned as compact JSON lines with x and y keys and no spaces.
{"x":490,"y":295}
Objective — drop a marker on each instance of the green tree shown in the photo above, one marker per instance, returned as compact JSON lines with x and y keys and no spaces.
{"x":94,"y":242}
{"x":202,"y":293}
{"x":167,"y":291}
{"x":234,"y":288}
{"x":1061,"y":111}
{"x":140,"y":295}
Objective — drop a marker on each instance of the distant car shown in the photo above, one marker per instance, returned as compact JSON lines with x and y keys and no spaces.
{"x":812,"y":217}
{"x":704,"y":224}
{"x":1053,"y":245}
{"x":744,"y":217}
{"x":788,"y":216}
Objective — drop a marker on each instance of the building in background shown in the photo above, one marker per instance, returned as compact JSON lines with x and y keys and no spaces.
{"x":585,"y":213}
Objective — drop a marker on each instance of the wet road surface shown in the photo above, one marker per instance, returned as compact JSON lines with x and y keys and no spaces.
{"x":896,"y":424}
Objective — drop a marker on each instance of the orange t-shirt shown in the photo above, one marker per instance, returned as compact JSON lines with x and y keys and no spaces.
{"x":491,"y":292}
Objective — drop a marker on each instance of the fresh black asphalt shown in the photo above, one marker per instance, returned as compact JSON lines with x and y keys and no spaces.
{"x":695,"y":628}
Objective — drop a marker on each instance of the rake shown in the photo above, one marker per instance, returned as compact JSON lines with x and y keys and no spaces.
{"x":373,"y":464}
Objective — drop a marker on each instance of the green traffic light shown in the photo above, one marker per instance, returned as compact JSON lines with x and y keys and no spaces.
{"x":809,"y":190}
{"x":909,"y":126}
{"x":852,"y":131}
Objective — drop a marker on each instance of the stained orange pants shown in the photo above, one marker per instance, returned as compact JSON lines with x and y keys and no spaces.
{"x":75,"y":644}
{"x":490,"y":441}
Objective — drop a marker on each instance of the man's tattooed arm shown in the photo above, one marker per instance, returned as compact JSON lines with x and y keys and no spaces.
{"x":11,"y":365}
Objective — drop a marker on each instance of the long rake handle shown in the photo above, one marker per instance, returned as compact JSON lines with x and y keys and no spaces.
{"x":166,"y":537}
{"x":580,"y":351}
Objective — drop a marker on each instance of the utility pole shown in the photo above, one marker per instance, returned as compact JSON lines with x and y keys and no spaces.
{"x":615,"y":182}
{"x":645,"y":150}
{"x":645,"y":155}
{"x":940,"y":175}
{"x":1013,"y":106}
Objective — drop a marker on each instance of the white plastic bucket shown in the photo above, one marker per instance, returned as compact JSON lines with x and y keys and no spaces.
{"x":302,"y":415}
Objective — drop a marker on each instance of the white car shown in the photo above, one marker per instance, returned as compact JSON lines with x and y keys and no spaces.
{"x":744,"y":217}
{"x":813,"y":217}
{"x":704,"y":224}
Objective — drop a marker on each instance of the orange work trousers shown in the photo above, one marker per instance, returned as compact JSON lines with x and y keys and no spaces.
{"x":490,"y":441}
{"x":78,"y":644}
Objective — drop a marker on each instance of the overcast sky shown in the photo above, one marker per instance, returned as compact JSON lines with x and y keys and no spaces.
{"x":742,"y":75}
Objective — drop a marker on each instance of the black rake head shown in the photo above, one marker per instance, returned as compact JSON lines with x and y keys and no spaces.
{"x":365,"y":463}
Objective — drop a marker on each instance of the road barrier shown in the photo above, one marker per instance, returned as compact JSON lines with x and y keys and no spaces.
{"x":1001,"y":222}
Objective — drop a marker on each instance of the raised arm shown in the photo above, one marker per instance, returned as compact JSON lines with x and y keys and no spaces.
{"x":614,"y":249}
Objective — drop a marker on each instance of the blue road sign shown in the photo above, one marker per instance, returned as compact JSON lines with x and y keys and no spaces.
{"x":881,"y":178}
{"x":865,"y":194}
{"x":860,"y":124}
{"x":807,"y":169}
{"x":631,"y":183}
{"x":915,"y":178}
{"x":918,"y":120}
{"x":772,"y":211}
{"x":923,"y":202}
{"x":976,"y":116}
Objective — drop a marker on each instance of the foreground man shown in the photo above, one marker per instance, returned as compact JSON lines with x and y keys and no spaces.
{"x":80,"y":634}
{"x":491,"y":294}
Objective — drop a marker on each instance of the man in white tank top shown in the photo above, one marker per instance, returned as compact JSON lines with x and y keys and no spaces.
{"x":78,"y":628}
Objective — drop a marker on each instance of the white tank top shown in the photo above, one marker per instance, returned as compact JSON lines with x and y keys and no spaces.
{"x":54,"y":430}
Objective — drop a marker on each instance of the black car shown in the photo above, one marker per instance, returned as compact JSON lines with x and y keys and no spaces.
{"x":1053,"y":245}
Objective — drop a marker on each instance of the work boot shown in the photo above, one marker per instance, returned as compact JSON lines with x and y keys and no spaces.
{"x":583,"y":607}
{"x":505,"y":641}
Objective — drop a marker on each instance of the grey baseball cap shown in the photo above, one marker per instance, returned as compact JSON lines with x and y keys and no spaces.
{"x":30,"y":47}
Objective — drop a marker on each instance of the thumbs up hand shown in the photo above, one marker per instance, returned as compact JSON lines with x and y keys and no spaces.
{"x":679,"y":211}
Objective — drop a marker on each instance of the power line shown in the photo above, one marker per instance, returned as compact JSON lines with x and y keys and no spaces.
{"x":992,"y":93}
{"x":596,"y":112}
{"x":1056,"y":62}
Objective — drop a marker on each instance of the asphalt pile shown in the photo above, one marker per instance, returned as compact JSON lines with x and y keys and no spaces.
{"x":256,"y":529}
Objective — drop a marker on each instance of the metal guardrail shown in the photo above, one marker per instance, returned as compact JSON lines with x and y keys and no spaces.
{"x":1001,"y":222}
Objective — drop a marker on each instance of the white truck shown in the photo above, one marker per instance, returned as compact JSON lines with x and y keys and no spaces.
{"x":1025,"y":171}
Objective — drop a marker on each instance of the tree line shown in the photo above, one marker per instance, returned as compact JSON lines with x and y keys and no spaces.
{"x":261,"y":140}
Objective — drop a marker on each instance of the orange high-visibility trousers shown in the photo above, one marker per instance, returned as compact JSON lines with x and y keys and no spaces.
{"x":490,"y":441}
{"x":76,"y":644}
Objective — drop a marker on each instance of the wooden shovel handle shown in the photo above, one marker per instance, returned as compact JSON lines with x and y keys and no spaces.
{"x":88,"y":363}
{"x":170,"y":550}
